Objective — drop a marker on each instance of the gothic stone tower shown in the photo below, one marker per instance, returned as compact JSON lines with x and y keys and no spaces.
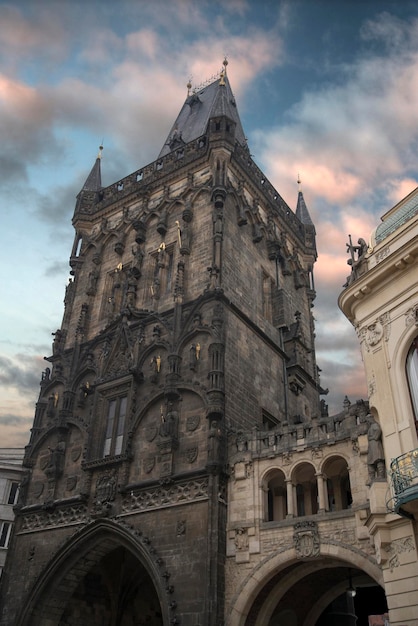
{"x":188,"y":315}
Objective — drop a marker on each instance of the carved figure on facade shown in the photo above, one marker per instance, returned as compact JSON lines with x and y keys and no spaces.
{"x":169,"y":422}
{"x":92,"y":282}
{"x":138,"y":259}
{"x":155,"y":365}
{"x":375,"y":454}
{"x":55,"y":466}
{"x":214,"y":439}
{"x":241,"y":539}
{"x":357,"y":255}
{"x":194,"y":355}
{"x":374,"y":334}
{"x":58,"y":341}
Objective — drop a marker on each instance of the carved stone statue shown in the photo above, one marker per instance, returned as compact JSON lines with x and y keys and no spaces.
{"x":375,"y":454}
{"x":168,"y":426}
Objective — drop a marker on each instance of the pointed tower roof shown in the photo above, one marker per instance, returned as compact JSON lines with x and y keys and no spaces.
{"x":214,"y":100}
{"x":94,"y":179}
{"x":301,"y":209}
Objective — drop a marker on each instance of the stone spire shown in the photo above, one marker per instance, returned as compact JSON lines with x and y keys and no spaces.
{"x":301,"y":209}
{"x":94,"y":179}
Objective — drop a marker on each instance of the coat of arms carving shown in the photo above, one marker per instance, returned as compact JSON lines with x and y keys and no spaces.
{"x":192,"y":422}
{"x":306,"y":540}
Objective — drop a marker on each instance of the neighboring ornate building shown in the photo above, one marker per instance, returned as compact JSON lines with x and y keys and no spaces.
{"x":381,"y":301}
{"x":182,"y":468}
{"x":10,"y":475}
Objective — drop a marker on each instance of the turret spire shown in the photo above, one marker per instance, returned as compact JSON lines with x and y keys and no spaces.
{"x":301,"y":209}
{"x":94,"y":179}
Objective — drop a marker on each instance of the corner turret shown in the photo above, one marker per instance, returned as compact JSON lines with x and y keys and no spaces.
{"x":92,"y":185}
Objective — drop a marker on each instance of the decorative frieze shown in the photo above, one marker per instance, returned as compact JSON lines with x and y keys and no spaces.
{"x":165,"y":496}
{"x":65,"y":516}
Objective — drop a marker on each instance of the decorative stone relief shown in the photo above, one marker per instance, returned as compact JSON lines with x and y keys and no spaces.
{"x":385,"y":321}
{"x":181,"y":528}
{"x":274,"y":544}
{"x":106,"y":487}
{"x":382,"y":254}
{"x":241,"y":539}
{"x":287,"y":458}
{"x":306,"y":539}
{"x":166,"y":495}
{"x":397,"y":547}
{"x":317,"y":453}
{"x":372,"y":385}
{"x":76,"y":453}
{"x":151,"y":432}
{"x":148,"y":464}
{"x":38,"y":488}
{"x":191,"y":454}
{"x":192,"y":422}
{"x":374,"y":334}
{"x":411,"y":316}
{"x":65,"y":516}
{"x":71,"y":483}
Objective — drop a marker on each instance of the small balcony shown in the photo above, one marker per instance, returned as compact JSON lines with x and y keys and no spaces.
{"x":404,"y":474}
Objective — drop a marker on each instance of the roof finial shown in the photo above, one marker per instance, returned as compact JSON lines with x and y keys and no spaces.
{"x":99,"y":156}
{"x":189,"y":86}
{"x":299,"y":182}
{"x":223,"y":72}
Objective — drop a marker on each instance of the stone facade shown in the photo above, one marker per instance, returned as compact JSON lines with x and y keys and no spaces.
{"x":182,"y":468}
{"x":381,"y":300}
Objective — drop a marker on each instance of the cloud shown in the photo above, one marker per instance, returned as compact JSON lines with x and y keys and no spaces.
{"x":23,"y":36}
{"x":23,"y":377}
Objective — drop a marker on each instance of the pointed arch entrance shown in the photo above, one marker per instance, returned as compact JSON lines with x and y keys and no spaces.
{"x":105,"y":575}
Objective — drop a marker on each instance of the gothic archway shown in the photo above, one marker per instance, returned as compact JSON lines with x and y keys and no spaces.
{"x":104,"y":575}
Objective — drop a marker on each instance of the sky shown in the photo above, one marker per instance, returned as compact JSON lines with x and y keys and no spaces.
{"x":326,"y":90}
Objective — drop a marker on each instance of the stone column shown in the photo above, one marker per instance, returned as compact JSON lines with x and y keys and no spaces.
{"x":321,"y":492}
{"x":290,"y":498}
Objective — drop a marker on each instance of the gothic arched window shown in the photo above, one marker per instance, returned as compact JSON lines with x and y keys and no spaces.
{"x":412,"y":374}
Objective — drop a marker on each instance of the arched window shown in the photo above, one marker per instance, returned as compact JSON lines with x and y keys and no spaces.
{"x":338,"y":484}
{"x":275,"y":507}
{"x":412,"y":374}
{"x":306,"y":489}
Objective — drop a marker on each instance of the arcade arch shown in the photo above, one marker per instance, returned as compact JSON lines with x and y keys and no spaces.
{"x":292,"y":592}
